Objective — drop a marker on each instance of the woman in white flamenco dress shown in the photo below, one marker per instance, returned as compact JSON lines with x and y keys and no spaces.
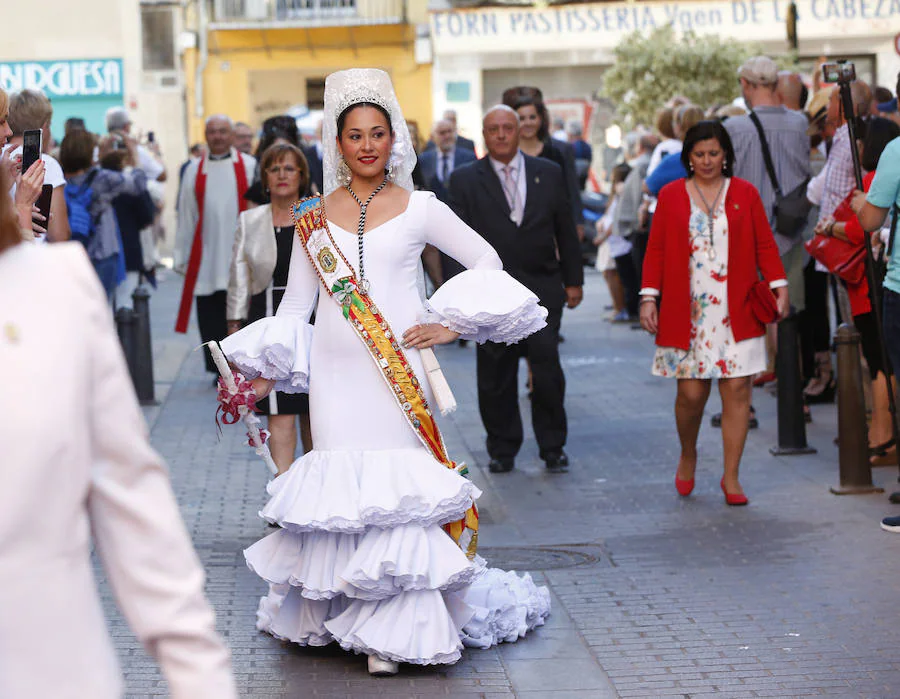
{"x":360,"y":556}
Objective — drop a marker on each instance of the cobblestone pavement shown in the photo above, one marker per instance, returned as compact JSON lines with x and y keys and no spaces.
{"x":654,"y":596}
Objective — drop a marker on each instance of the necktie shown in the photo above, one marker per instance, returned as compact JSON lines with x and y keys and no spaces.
{"x":445,"y":167}
{"x":511,"y":189}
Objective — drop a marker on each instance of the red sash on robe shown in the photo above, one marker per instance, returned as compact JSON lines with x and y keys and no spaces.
{"x":193,"y":266}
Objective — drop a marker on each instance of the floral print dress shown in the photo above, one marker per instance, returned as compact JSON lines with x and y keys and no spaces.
{"x":713,"y":352}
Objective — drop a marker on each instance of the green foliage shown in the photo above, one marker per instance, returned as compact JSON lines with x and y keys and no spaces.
{"x":651,"y":69}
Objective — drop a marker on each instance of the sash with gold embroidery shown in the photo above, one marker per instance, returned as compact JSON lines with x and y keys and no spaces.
{"x":339,"y":281}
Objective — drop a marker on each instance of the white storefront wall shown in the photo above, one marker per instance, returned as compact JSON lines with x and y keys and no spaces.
{"x":89,"y":56}
{"x":468,"y":42}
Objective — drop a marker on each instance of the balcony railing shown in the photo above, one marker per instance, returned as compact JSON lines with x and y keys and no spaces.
{"x":237,"y":14}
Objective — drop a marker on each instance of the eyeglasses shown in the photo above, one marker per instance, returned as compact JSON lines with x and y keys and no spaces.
{"x":288,"y":170}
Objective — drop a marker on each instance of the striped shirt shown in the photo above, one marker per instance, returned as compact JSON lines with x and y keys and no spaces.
{"x":789,"y":147}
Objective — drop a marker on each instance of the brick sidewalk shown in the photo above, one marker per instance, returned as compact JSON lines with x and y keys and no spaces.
{"x":653,"y":595}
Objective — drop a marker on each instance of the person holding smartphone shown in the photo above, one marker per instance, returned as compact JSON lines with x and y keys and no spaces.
{"x":27,"y":185}
{"x":31,"y":110}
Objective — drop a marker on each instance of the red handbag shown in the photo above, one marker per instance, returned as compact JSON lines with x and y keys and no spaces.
{"x":762,"y":303}
{"x":840,"y":257}
{"x":846,"y":260}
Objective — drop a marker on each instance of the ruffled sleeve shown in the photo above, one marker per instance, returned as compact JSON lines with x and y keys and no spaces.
{"x":274,"y":348}
{"x":278,"y":347}
{"x":484,"y":302}
{"x":488,"y":304}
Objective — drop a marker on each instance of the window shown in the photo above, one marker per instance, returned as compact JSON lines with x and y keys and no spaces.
{"x":158,"y":37}
{"x":301,"y":9}
{"x":315,"y":93}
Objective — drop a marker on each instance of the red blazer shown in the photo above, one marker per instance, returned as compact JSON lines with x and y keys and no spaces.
{"x":751,"y":249}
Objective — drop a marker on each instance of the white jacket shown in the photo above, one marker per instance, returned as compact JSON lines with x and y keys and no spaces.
{"x":75,"y":466}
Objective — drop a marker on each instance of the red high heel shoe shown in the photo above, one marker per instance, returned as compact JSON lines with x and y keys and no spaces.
{"x":733,"y":499}
{"x":684,"y":488}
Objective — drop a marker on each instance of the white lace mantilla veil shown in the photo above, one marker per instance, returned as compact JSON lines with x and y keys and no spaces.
{"x":348,"y":87}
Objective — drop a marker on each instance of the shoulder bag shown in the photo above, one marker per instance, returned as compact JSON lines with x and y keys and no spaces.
{"x":790,"y":209}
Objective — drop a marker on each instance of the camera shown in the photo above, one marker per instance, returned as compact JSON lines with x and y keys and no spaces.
{"x":842,"y":72}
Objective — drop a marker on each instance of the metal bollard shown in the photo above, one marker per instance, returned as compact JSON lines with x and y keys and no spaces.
{"x":143,"y":348}
{"x":855,"y":470}
{"x":125,"y":327}
{"x":791,"y":422}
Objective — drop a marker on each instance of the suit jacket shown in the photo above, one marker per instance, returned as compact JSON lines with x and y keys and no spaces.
{"x":93,"y":477}
{"x":751,"y":250}
{"x":543,"y":253}
{"x":461,"y":142}
{"x":428,"y":165}
{"x":316,"y":173}
{"x":253,"y":259}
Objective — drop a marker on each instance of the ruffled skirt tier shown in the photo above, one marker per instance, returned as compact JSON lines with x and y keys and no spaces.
{"x":361,"y":559}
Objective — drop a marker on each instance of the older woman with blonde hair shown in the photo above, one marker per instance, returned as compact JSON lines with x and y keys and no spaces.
{"x":260,"y":261}
{"x":98,"y":486}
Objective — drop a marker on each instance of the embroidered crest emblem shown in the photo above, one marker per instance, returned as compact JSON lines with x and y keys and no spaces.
{"x":327,"y":260}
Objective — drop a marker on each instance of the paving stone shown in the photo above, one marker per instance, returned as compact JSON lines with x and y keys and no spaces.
{"x":794,"y":595}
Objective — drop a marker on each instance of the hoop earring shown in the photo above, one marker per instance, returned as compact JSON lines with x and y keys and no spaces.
{"x":344,"y":176}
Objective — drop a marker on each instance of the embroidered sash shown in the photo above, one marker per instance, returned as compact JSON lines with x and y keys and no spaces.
{"x":196,"y":257}
{"x":339,"y":281}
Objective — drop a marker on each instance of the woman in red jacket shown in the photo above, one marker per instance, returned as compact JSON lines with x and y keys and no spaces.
{"x":709,"y":241}
{"x":879,"y":132}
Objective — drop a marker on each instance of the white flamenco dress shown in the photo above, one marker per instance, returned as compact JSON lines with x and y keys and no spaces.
{"x":360,"y":557}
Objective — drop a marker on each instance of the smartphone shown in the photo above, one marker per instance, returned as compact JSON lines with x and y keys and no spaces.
{"x":151,"y":137}
{"x":31,"y":148}
{"x":43,"y":203}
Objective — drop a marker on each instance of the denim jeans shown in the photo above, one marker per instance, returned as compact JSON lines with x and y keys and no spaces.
{"x":107,"y":270}
{"x":891,"y":323}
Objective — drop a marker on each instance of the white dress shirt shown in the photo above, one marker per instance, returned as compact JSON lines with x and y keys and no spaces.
{"x":518,"y":162}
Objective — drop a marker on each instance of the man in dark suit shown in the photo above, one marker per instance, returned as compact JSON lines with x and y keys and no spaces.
{"x":518,"y":204}
{"x":436,"y":165}
{"x":461,"y":141}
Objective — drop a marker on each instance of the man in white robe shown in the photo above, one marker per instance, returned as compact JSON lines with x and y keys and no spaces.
{"x":211,"y":198}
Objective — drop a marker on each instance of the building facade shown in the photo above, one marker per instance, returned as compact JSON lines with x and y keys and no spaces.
{"x":95,"y":54}
{"x":563,"y":49}
{"x":255,"y":59}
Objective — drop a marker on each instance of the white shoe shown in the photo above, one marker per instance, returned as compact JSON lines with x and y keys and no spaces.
{"x":382,"y":668}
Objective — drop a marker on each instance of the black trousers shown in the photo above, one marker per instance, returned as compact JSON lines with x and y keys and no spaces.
{"x":212,"y":322}
{"x":815,"y":330}
{"x":498,"y":392}
{"x":638,"y":249}
{"x":630,"y":283}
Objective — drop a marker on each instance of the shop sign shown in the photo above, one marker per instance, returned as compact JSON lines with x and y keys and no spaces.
{"x":603,"y":25}
{"x":100,"y":77}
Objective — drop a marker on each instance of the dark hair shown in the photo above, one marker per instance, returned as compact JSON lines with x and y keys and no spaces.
{"x":619,"y":173}
{"x":273,"y":128}
{"x":342,"y":117}
{"x":881,"y":94}
{"x":879,"y":132}
{"x":76,"y":152}
{"x":276,"y":153}
{"x":704,"y":131}
{"x":74,"y":124}
{"x":541,"y":109}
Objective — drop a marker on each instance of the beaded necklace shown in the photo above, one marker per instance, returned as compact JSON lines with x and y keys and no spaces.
{"x":361,"y":228}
